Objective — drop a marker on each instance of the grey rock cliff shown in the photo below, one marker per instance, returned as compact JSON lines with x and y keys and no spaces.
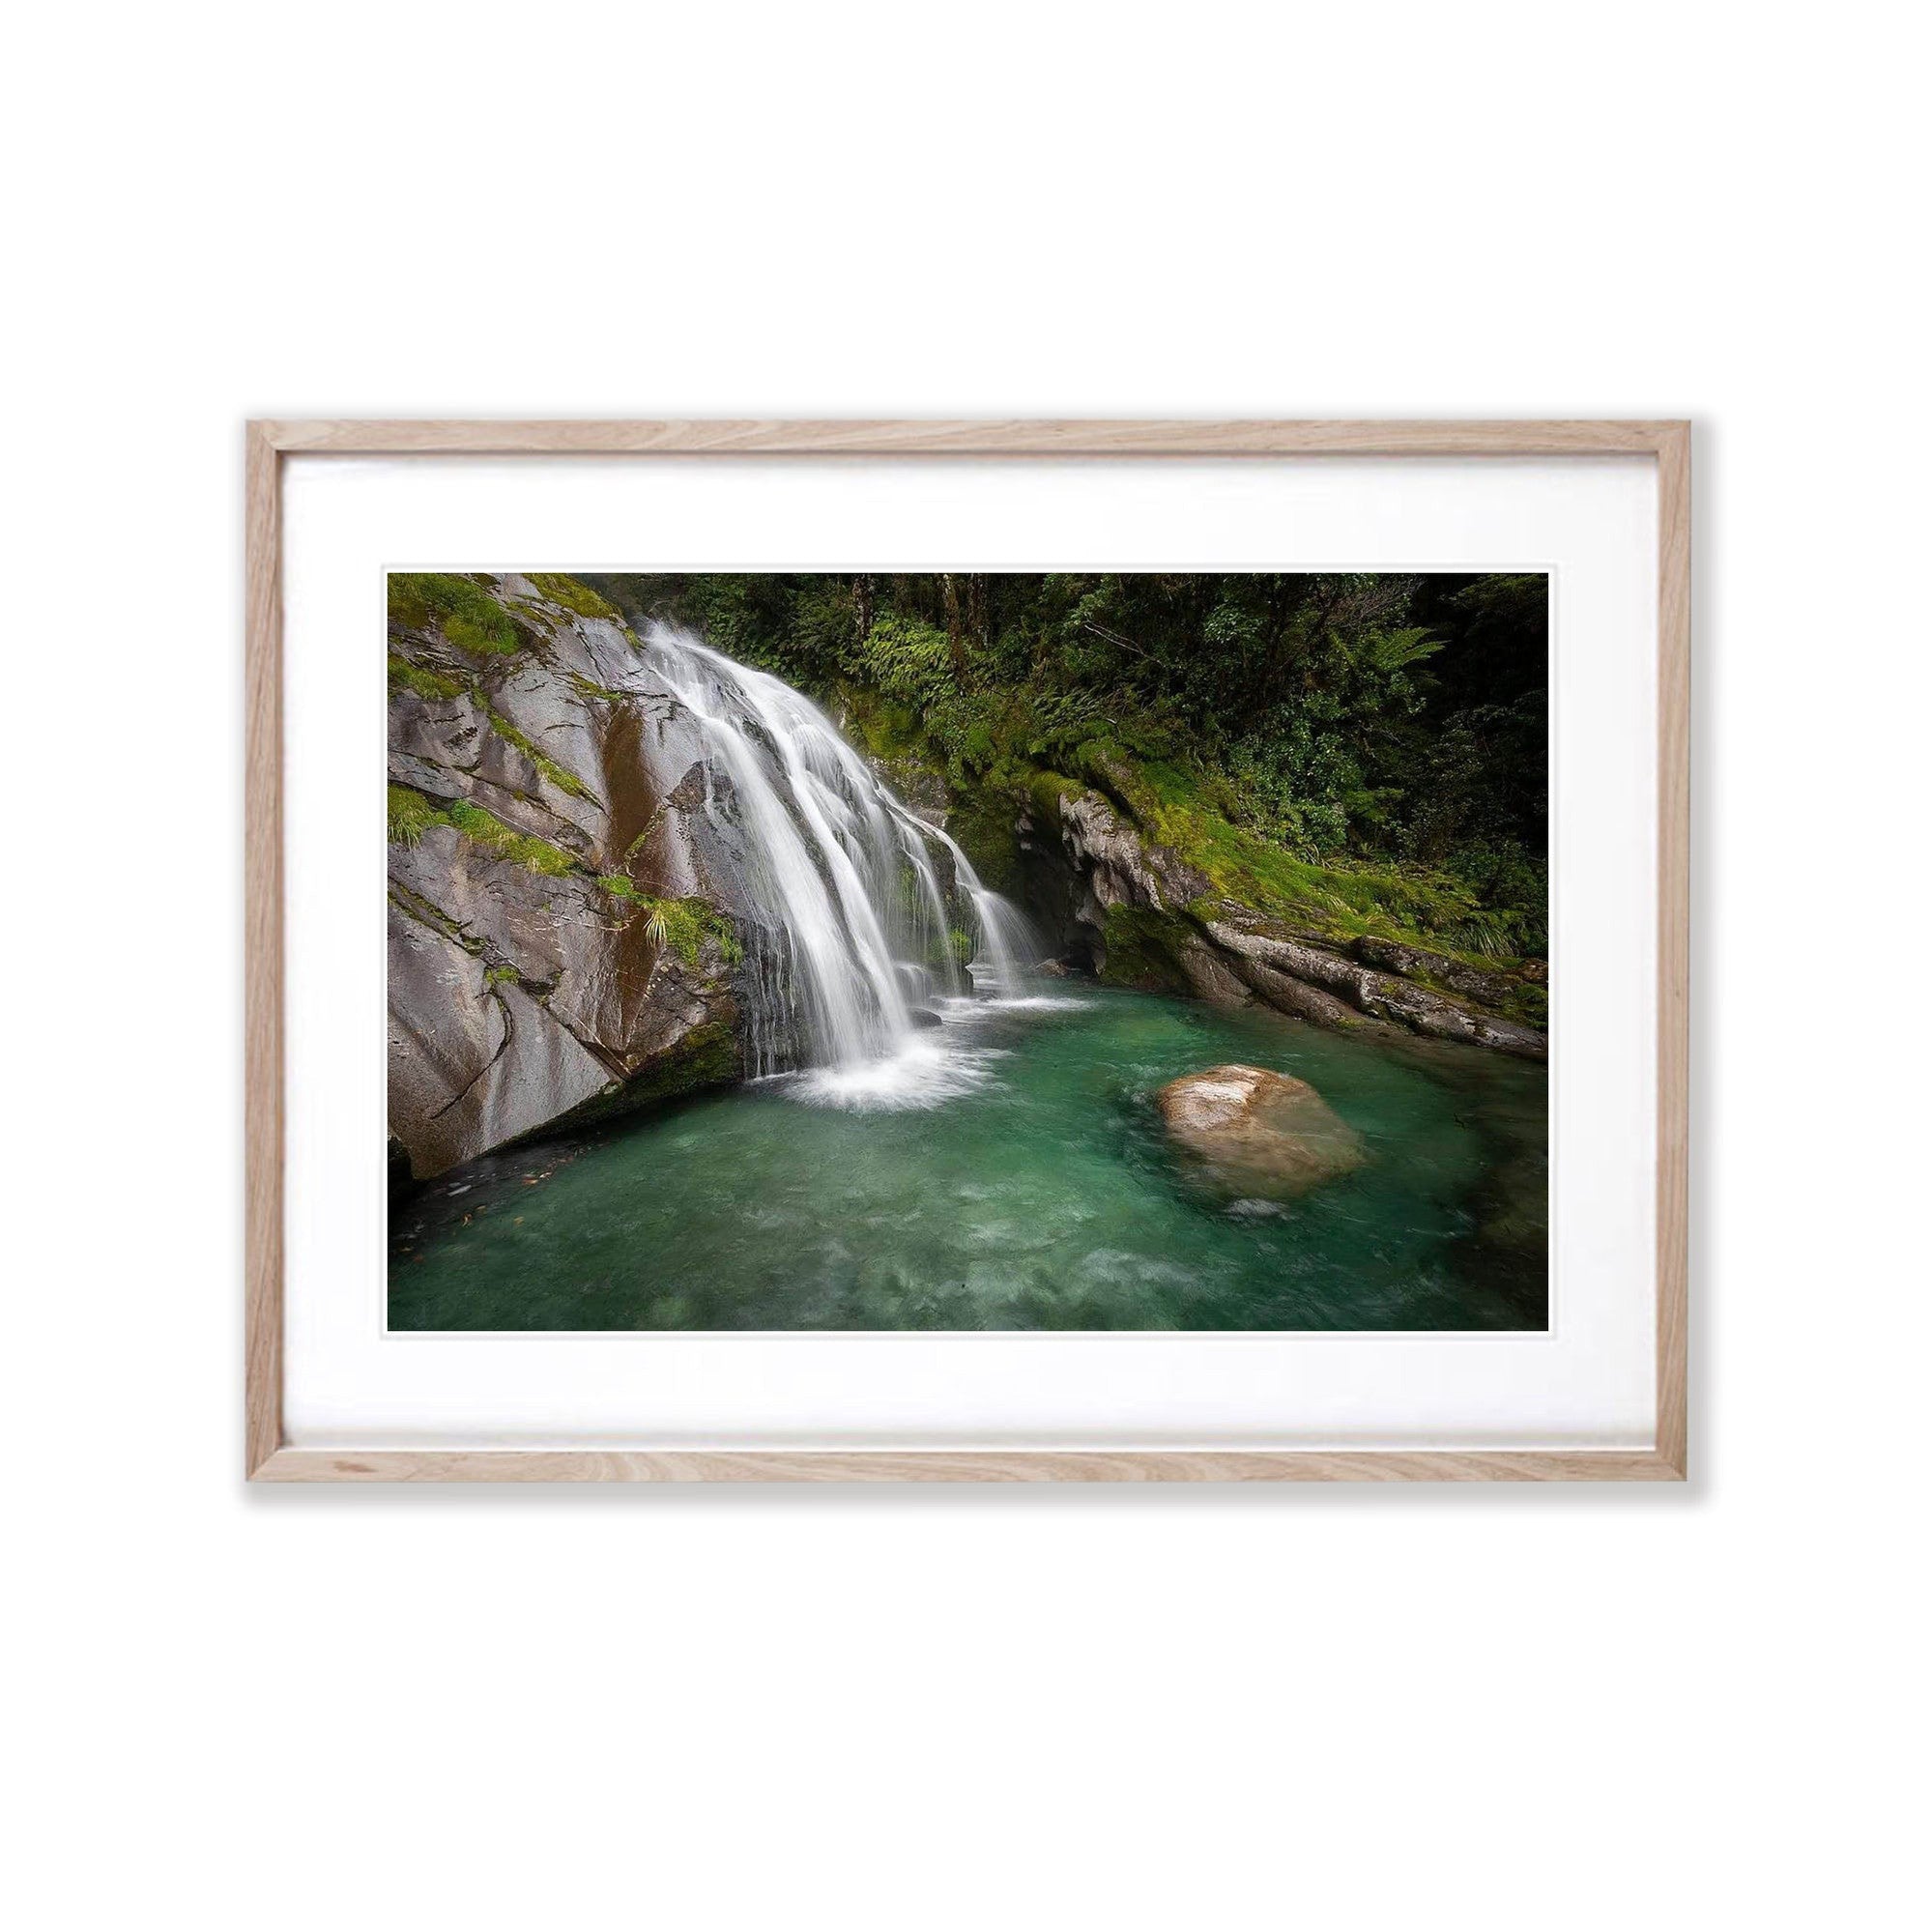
{"x":562,"y":928}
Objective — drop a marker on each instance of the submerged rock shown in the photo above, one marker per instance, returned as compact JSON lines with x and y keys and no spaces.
{"x":1258,"y":1135}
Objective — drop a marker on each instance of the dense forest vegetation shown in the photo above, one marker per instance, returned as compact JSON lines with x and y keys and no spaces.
{"x":1366,"y":752}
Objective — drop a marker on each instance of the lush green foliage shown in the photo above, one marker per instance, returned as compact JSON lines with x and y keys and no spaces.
{"x":1363,"y":752}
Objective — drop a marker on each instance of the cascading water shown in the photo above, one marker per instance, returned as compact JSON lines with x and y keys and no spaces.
{"x":1004,"y":939}
{"x":855,"y":912}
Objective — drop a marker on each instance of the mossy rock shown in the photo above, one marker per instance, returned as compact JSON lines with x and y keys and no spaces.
{"x":986,"y":825}
{"x":577,"y":599}
{"x":1143,"y":950}
{"x":411,"y":814}
{"x":463,"y":610}
{"x":706,"y":1058}
{"x":432,"y":686}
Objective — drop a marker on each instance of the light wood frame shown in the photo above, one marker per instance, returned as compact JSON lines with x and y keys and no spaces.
{"x":268,"y":1459}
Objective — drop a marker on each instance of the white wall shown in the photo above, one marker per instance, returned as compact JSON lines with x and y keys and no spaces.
{"x":1334,"y":1709}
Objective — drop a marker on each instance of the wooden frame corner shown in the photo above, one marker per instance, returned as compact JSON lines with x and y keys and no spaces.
{"x":268,"y":1457}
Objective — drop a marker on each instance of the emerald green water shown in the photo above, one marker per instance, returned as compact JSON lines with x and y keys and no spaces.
{"x":1037,"y":1193}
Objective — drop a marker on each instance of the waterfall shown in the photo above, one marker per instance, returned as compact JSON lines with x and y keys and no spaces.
{"x":1002,"y":935}
{"x":853,"y":912}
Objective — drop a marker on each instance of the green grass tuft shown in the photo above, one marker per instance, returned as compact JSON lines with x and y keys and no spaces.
{"x":685,"y":923}
{"x":534,"y":855}
{"x":410,"y":814}
{"x":461,"y":608}
{"x":680,"y":924}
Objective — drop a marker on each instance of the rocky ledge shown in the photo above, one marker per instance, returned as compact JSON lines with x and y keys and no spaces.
{"x":1146,"y":918}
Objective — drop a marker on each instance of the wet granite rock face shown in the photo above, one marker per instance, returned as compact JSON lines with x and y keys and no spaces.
{"x":1256,"y":1135}
{"x":552,"y":800}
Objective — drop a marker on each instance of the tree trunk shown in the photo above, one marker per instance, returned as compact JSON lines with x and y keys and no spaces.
{"x":955,"y":629}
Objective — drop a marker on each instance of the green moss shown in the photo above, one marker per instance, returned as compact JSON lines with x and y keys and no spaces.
{"x":643,"y":839}
{"x":1186,"y":810}
{"x":1144,"y":949}
{"x":534,"y":855}
{"x":705,"y":1056}
{"x":412,"y":814}
{"x":430,"y":684}
{"x":886,"y":731}
{"x":591,"y":688}
{"x":571,"y":594}
{"x":1178,"y":810}
{"x":501,"y":975}
{"x":463,"y":609}
{"x":1045,"y":791}
{"x":986,"y":825}
{"x":680,"y":924}
{"x":434,"y":685}
{"x":564,"y":781}
{"x":730,"y":946}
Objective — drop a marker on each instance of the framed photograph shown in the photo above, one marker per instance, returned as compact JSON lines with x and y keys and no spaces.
{"x":967,"y":951}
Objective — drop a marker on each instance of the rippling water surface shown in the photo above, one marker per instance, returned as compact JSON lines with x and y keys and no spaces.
{"x":1005,"y":1170}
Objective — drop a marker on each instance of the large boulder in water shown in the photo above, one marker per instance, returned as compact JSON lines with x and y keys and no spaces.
{"x":1258,"y":1135}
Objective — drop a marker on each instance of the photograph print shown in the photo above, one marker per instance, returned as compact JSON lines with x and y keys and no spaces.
{"x":967,"y":951}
